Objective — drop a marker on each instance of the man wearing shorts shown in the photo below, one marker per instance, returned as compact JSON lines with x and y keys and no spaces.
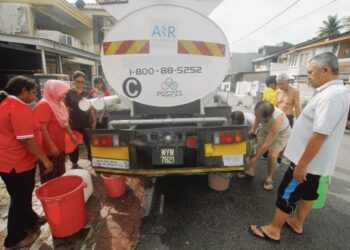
{"x":312,"y":148}
{"x":272,"y":136}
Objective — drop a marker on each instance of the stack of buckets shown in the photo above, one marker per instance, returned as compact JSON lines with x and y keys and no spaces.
{"x":115,"y":185}
{"x":87,"y":178}
{"x":63,"y":202}
{"x":322,"y":192}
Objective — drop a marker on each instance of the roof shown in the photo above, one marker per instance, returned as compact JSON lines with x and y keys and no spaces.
{"x":323,"y":41}
{"x":49,"y":45}
{"x":317,"y":42}
{"x":276,"y":53}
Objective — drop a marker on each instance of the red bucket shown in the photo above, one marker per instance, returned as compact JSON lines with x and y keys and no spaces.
{"x":71,"y":146}
{"x":115,"y":185}
{"x":63,"y":201}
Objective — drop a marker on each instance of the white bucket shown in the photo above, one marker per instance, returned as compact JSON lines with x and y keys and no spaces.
{"x":87,"y":178}
{"x":106,"y":102}
{"x":85,"y":104}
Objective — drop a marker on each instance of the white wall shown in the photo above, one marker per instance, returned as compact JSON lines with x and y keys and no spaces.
{"x":15,"y":19}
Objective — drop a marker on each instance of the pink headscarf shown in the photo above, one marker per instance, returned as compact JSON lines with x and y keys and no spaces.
{"x":53,"y":89}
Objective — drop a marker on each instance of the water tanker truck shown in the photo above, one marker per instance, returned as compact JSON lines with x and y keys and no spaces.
{"x":166,"y":59}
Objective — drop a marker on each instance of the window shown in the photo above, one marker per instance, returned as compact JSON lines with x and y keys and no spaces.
{"x":303,"y":59}
{"x":293,"y":60}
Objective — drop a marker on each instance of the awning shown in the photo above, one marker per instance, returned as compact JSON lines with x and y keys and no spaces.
{"x":49,"y":45}
{"x":79,"y":61}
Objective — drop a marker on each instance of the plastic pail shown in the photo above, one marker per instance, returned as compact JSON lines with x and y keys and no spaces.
{"x":63,"y":201}
{"x":252,"y":145}
{"x":71,"y":146}
{"x":219,"y":181}
{"x":322,"y":192}
{"x":87,"y":178}
{"x":114,"y":184}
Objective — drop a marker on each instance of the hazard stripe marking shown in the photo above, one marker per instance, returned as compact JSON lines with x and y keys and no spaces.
{"x":201,"y":48}
{"x":126,"y":47}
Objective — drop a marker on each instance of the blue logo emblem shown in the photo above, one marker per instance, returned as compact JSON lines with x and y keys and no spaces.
{"x":164,"y":31}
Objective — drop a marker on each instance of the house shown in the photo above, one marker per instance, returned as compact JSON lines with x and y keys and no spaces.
{"x":294,"y":60}
{"x":50,"y":37}
{"x":270,"y":54}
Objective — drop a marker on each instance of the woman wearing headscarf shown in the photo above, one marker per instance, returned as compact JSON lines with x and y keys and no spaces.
{"x":52,"y":115}
{"x":18,"y":154}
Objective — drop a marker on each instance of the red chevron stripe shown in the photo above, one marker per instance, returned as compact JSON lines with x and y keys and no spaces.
{"x":123,"y":49}
{"x":106,"y":46}
{"x":222,"y":47}
{"x":145,"y":49}
{"x":181,"y":49}
{"x":202,"y":47}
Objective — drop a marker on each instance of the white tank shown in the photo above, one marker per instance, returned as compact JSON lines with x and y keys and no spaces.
{"x":165,"y":55}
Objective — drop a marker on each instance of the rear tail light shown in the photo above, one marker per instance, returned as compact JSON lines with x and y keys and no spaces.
{"x":238,"y":137}
{"x":226,"y":137}
{"x":104,"y":140}
{"x":191,"y":142}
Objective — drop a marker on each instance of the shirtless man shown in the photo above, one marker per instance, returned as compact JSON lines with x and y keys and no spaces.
{"x":287,"y":98}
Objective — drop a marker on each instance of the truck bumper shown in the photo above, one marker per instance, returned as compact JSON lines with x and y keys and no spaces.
{"x":162,"y":172}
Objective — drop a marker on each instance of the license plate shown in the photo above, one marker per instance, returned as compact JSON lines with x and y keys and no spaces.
{"x":167,"y":156}
{"x":233,"y":160}
{"x":110,"y":163}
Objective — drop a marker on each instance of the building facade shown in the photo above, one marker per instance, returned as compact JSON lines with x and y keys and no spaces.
{"x":50,"y":37}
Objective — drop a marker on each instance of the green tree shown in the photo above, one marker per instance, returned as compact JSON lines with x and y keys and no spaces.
{"x":331,"y":26}
{"x":346,"y":23}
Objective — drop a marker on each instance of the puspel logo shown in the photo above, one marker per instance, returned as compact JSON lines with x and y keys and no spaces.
{"x":169,"y":89}
{"x":169,"y":84}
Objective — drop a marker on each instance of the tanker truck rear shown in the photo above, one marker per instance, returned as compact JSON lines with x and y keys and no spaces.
{"x":166,"y":60}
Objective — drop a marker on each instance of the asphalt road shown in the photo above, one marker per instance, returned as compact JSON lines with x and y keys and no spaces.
{"x":187,"y":214}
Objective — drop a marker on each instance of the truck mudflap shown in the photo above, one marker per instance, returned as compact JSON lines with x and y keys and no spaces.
{"x":169,"y":151}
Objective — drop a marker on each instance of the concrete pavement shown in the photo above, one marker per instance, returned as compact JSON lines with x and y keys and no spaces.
{"x":187,"y":214}
{"x":112,"y":223}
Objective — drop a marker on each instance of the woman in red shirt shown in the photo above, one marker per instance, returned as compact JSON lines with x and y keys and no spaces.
{"x":52,"y":115}
{"x":18,"y":153}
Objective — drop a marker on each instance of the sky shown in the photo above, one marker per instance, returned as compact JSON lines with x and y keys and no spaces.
{"x":237,"y":18}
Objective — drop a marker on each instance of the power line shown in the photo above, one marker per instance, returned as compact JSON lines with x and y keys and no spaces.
{"x":250,"y":33}
{"x":295,"y":20}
